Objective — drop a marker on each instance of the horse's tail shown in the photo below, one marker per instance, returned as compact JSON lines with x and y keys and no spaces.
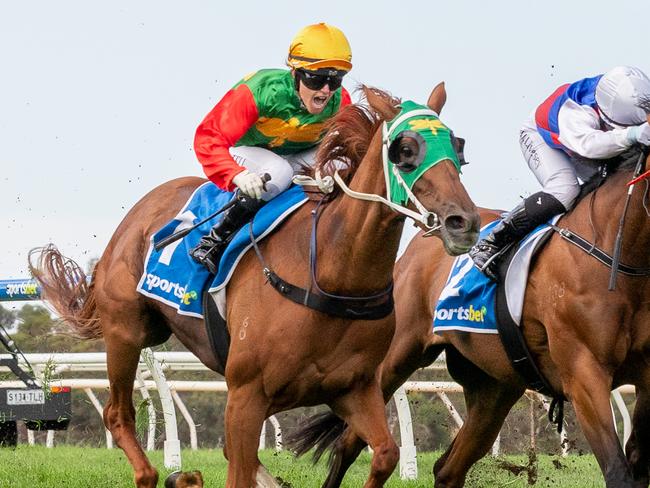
{"x":65,"y":287}
{"x":320,"y":433}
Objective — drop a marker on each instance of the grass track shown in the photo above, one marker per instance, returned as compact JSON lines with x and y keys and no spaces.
{"x":76,"y":467}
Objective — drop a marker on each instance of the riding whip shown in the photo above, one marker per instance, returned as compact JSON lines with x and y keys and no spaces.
{"x":616,"y":259}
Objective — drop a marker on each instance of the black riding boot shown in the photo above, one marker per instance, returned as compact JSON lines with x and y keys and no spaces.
{"x":535,"y":210}
{"x":211,"y":246}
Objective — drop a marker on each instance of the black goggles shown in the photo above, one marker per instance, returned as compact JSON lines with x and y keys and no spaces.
{"x":315,"y":80}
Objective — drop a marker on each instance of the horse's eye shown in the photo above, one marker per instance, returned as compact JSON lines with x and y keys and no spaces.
{"x":407,"y":151}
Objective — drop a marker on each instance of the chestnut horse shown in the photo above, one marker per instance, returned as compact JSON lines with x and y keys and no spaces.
{"x":283,"y":355}
{"x":585,"y":339}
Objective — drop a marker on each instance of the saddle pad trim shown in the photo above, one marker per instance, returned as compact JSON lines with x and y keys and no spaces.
{"x":270,"y":229}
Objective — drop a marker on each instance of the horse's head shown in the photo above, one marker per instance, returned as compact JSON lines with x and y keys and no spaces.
{"x":422,"y":169}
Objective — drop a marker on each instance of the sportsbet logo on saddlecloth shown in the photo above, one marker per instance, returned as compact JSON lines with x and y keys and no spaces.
{"x":462,"y":313}
{"x":152,"y":281}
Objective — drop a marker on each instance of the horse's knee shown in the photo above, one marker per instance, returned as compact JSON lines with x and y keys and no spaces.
{"x":118,"y":423}
{"x":109,"y":416}
{"x":384,"y":459}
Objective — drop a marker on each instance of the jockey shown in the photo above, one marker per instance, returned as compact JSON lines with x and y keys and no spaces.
{"x":592,"y":119}
{"x":269,"y":123}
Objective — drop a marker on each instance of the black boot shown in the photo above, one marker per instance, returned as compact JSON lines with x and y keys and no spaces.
{"x":211,"y":246}
{"x":535,"y":210}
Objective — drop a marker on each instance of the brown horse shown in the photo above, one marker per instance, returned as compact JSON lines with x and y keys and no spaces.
{"x":585,"y":339}
{"x":283,"y":355}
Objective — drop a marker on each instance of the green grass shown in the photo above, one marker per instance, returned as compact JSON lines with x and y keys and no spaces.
{"x":75,"y":467}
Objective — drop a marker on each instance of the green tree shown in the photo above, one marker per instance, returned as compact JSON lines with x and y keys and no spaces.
{"x":38,"y":331}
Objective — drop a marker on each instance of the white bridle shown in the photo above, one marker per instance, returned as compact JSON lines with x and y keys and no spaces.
{"x":326,"y":184}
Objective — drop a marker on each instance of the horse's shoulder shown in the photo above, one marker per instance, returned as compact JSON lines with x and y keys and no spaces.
{"x":488,"y":215}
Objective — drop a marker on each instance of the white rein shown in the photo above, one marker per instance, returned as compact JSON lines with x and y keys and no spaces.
{"x":326,"y":184}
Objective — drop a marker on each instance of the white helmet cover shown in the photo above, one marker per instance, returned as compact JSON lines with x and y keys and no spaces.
{"x":623,"y":96}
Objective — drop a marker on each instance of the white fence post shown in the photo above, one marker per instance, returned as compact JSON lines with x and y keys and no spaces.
{"x":188,"y":418}
{"x":408,"y":464}
{"x":171,"y":446}
{"x":151,"y":411}
{"x":625,"y":415}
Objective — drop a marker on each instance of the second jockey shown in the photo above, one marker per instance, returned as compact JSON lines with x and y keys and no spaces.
{"x":592,"y":119}
{"x":270,"y":123}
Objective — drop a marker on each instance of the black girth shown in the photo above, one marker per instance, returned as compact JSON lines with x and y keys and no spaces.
{"x":516,"y":348}
{"x":372,"y":307}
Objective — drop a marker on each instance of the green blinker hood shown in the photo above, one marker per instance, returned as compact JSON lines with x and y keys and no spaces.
{"x":435,"y":146}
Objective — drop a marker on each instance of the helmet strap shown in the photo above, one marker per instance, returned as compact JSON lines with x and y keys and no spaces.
{"x":610,"y":122}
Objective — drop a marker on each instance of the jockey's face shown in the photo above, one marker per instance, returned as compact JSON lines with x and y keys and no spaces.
{"x":316,"y":98}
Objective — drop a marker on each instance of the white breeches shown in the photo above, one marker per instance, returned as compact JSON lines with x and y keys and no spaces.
{"x":552,"y":167}
{"x":280,"y":168}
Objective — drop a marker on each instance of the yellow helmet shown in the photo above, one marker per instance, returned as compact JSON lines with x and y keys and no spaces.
{"x":320,"y":46}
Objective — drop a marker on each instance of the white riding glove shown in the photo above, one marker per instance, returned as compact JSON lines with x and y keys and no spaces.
{"x":249,"y":183}
{"x":640,"y":134}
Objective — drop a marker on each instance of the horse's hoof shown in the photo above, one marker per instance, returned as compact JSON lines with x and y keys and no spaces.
{"x":179,"y":479}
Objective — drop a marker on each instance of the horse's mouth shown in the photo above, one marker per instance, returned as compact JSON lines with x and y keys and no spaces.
{"x":455,"y":245}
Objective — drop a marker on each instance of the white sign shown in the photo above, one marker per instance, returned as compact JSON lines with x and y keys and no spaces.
{"x":25,"y":397}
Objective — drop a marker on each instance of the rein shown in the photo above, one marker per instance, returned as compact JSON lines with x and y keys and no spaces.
{"x":371,"y":307}
{"x":381,"y":304}
{"x":428,"y":219}
{"x":619,"y":235}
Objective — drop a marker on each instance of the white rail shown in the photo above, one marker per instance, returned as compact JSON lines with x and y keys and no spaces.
{"x":154,"y":365}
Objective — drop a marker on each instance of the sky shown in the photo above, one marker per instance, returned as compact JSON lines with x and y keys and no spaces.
{"x":99,"y":101}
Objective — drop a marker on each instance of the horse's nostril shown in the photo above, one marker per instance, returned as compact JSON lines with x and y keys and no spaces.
{"x":456,"y":223}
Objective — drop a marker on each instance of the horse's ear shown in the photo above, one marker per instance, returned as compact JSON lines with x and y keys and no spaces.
{"x":381,"y":102}
{"x":437,"y":98}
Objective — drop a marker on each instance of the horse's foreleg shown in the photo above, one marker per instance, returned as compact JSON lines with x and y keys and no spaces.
{"x":245,"y":413}
{"x":488,"y":403}
{"x":363,"y":410}
{"x":638,"y":446}
{"x":588,"y":386}
{"x":119,"y":414}
{"x":405,"y":356}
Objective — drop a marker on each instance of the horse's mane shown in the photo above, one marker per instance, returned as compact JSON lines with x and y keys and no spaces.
{"x":625,"y":161}
{"x":349,"y":132}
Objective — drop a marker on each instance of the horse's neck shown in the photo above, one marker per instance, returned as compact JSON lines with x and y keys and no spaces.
{"x":359,"y":239}
{"x":600,"y":213}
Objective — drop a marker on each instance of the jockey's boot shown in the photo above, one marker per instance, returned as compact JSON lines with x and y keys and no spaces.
{"x":533,"y":211}
{"x":211,"y":246}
